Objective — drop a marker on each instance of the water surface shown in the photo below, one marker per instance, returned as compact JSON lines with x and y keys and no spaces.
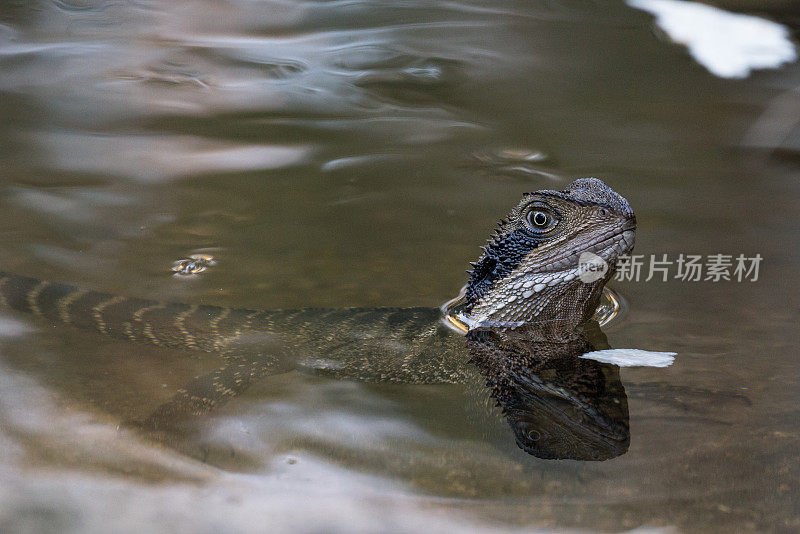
{"x":355,"y":153}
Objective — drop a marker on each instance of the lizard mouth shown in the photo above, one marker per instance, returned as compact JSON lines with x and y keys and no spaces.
{"x":608,"y":247}
{"x":626,"y":238}
{"x":620,"y":242}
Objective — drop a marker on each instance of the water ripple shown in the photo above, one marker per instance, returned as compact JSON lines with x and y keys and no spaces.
{"x":169,"y":157}
{"x":515,"y":162}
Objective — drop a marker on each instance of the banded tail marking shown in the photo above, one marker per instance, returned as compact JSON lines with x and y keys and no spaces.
{"x":169,"y":324}
{"x":180,"y":324}
{"x":147,"y":327}
{"x":65,"y":302}
{"x":34,"y":294}
{"x":215,"y":335}
{"x":97,"y":312}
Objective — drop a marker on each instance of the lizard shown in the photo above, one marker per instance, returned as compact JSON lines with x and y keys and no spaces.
{"x":525,"y":285}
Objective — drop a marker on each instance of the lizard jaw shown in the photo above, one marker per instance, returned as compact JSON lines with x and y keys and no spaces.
{"x":523,"y":295}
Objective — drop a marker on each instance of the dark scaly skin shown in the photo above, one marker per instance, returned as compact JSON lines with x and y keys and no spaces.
{"x":408,"y":345}
{"x":405,"y":345}
{"x":402,"y":345}
{"x":348,"y":336}
{"x":348,"y":339}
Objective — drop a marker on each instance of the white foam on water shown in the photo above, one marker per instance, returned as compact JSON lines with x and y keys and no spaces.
{"x":729,"y":45}
{"x":632,"y":357}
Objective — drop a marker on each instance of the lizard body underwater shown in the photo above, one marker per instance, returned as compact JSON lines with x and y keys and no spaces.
{"x":525,"y":292}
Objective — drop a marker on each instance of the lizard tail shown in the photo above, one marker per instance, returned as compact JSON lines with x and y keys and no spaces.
{"x":206,"y":328}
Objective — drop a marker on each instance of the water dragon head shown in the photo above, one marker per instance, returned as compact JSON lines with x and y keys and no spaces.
{"x":533,"y":269}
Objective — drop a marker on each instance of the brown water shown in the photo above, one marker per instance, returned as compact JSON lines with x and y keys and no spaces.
{"x":355,"y":153}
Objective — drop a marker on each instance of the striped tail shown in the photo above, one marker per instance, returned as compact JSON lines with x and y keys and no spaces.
{"x":207,"y":328}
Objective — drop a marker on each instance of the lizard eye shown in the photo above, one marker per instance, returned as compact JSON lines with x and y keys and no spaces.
{"x":540,"y":220}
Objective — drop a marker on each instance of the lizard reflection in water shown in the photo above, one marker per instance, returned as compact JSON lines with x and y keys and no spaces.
{"x":559,"y":406}
{"x":526,"y":310}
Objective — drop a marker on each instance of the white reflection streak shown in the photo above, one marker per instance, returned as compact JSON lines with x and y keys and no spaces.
{"x":10,"y":327}
{"x":153,"y":159}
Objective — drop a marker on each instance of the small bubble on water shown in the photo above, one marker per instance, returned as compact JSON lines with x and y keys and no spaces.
{"x":194,"y":264}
